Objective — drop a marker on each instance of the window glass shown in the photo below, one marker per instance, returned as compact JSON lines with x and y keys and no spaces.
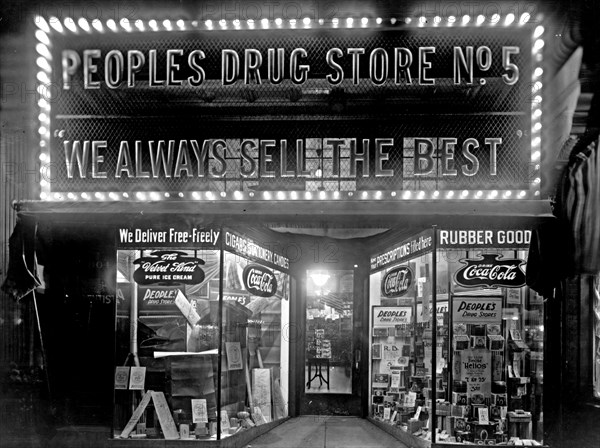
{"x":492,"y":333}
{"x":401,"y":351}
{"x":167,"y":341}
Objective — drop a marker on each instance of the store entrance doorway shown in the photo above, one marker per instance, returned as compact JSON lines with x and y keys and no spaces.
{"x":331,"y":365}
{"x":328,"y":343}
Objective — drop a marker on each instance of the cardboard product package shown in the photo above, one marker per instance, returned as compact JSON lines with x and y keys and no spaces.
{"x":415,"y":425}
{"x":463,"y":436}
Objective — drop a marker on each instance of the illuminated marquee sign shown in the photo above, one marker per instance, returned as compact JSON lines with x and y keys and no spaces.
{"x":384,"y":110}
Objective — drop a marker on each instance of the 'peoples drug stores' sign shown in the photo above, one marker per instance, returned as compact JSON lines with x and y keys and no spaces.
{"x":477,"y":310}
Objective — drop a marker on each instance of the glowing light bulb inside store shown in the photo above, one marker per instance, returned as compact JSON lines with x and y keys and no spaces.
{"x":319,"y":278}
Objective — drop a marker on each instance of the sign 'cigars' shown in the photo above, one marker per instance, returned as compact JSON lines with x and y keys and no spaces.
{"x":397,"y":65}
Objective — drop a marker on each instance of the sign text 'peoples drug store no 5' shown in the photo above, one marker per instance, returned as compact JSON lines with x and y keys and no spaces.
{"x":136,"y":111}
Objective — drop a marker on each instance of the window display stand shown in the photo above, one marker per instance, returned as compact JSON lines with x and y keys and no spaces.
{"x":475,"y":371}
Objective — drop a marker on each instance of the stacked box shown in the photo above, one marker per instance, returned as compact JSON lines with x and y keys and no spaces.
{"x":463,"y":436}
{"x":496,"y":343}
{"x":427,"y":393}
{"x":443,"y":408}
{"x":501,"y":437}
{"x":404,"y":415}
{"x":450,"y":425}
{"x":476,"y":398}
{"x":474,"y":410}
{"x":458,"y":411}
{"x":496,"y":412}
{"x":415,"y":425}
{"x":459,"y":398}
{"x":499,"y":399}
{"x":484,"y":432}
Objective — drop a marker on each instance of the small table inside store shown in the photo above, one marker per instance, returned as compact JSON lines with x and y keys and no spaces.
{"x":318,"y":364}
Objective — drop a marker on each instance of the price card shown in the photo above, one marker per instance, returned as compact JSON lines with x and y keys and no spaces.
{"x":199,"y":411}
{"x":484,"y":417}
{"x":137,"y":378}
{"x":410,"y":399}
{"x":418,"y":413}
{"x":121,"y":377}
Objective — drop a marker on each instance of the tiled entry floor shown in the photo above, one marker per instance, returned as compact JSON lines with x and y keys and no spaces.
{"x":326,"y":432}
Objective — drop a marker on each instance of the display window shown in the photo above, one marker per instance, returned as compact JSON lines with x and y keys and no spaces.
{"x":401,"y":350}
{"x":484,"y":384}
{"x":200,"y":337}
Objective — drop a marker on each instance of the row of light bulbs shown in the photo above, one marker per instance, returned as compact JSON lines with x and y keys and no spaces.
{"x":292,"y":195}
{"x":70,"y":24}
{"x":43,"y":76}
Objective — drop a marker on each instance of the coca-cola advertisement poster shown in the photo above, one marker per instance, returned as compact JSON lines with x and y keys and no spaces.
{"x":397,"y":282}
{"x":259,"y":280}
{"x":491,"y":270}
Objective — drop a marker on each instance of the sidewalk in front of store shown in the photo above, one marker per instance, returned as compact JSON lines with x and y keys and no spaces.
{"x":301,"y":432}
{"x":321,"y":431}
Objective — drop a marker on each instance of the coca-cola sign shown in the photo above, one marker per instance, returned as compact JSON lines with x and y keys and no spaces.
{"x":491,"y":270}
{"x":259,"y":281}
{"x":396,"y":282}
{"x":168,"y":268}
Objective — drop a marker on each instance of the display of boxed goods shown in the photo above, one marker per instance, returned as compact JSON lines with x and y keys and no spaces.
{"x":483,"y":369}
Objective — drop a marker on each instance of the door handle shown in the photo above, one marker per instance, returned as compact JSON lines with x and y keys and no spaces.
{"x":357,"y":358}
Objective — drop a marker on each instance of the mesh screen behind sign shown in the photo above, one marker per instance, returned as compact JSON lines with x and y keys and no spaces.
{"x":305,"y":131}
